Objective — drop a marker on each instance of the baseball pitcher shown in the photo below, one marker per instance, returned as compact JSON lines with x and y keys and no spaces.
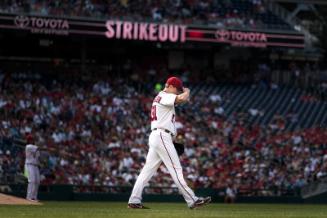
{"x":32,"y":169}
{"x":161,"y":145}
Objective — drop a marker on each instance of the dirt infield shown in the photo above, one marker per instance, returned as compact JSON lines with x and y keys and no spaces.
{"x":11,"y":200}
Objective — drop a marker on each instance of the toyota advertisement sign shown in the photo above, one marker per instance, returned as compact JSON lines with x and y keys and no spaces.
{"x":42,"y":25}
{"x":147,"y":31}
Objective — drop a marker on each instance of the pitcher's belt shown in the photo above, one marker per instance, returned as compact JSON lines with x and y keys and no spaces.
{"x":165,"y":130}
{"x":36,"y":165}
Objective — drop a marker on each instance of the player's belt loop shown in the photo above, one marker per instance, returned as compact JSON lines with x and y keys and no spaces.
{"x":166,"y":130}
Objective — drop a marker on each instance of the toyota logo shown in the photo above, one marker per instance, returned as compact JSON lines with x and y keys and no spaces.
{"x":22,"y":21}
{"x":222,"y":35}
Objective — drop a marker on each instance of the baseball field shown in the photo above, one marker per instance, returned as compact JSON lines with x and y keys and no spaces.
{"x":170,"y":210}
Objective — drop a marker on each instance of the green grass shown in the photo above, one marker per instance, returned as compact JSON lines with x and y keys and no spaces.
{"x":170,"y":210}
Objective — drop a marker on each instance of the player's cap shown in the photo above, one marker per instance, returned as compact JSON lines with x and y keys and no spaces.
{"x":29,"y":138}
{"x":176,"y":82}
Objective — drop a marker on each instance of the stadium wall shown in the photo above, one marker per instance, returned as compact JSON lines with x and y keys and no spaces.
{"x":66,"y":193}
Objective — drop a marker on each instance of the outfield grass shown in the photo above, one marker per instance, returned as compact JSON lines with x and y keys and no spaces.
{"x":170,"y":210}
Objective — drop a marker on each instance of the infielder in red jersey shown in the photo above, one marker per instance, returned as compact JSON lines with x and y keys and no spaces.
{"x":161,"y":147}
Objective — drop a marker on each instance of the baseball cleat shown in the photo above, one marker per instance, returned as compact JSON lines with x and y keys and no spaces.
{"x":201,"y":202}
{"x":34,"y":201}
{"x":137,"y":206}
{"x":31,"y":199}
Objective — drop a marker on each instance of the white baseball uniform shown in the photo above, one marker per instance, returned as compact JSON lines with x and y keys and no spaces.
{"x":32,"y":170}
{"x":161,"y":149}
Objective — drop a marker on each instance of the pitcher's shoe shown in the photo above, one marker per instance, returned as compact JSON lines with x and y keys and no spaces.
{"x":136,"y":206}
{"x":34,"y":200}
{"x":201,"y":202}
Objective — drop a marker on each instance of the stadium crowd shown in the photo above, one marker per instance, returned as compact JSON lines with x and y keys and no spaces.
{"x":95,"y":131}
{"x":226,"y":13}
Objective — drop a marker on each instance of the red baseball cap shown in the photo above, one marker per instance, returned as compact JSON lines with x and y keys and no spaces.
{"x":176,"y":82}
{"x":29,"y":138}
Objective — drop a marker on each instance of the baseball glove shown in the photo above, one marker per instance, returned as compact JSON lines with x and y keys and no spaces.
{"x":179,"y":148}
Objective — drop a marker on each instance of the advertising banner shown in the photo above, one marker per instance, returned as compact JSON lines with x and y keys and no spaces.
{"x":147,"y":31}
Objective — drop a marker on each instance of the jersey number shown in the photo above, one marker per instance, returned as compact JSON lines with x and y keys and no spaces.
{"x":153,"y":113}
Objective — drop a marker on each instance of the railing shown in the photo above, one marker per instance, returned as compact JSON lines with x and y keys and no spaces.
{"x":293,"y":21}
{"x":314,"y":188}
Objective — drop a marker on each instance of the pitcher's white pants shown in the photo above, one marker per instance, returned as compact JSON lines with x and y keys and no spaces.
{"x":161,"y":150}
{"x":33,"y":181}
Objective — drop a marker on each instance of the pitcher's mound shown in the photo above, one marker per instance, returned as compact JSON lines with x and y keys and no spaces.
{"x":11,"y":200}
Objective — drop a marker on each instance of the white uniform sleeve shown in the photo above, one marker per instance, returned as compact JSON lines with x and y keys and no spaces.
{"x":167,"y":99}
